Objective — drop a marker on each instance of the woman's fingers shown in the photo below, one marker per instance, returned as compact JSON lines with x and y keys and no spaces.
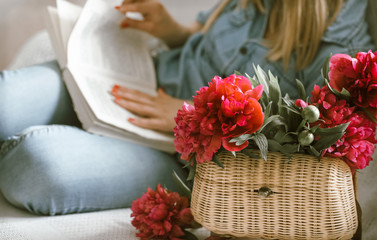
{"x":138,"y":108}
{"x":155,"y":112}
{"x":143,"y":7}
{"x":131,"y":94}
{"x":136,"y":24}
{"x":149,"y":16}
{"x":132,"y":1}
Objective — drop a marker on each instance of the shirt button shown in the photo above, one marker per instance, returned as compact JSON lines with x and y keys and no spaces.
{"x":243,"y":50}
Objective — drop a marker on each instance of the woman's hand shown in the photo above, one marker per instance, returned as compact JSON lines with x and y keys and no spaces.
{"x":155,"y":113}
{"x":157,"y":21}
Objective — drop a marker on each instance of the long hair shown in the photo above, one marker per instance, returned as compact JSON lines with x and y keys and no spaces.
{"x":294,"y":26}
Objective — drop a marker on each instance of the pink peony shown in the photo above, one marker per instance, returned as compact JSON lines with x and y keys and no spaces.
{"x":301,"y":103}
{"x":188,"y":138}
{"x":358,"y":75}
{"x":333,"y":111}
{"x":356,"y":146}
{"x":161,"y":214}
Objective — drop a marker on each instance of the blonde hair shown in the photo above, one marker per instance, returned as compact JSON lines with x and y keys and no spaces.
{"x":294,"y":26}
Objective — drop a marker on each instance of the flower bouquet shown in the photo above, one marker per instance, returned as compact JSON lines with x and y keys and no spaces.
{"x":267,"y":166}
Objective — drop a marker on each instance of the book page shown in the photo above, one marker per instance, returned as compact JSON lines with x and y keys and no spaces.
{"x":102,"y":105}
{"x":100,"y":45}
{"x":68,"y":15}
{"x":59,"y":23}
{"x":53,"y":29}
{"x":101,"y":54}
{"x":92,"y":124}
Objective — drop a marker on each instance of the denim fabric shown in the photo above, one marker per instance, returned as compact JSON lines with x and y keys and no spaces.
{"x":31,"y":96}
{"x":234,"y":44}
{"x":59,"y":169}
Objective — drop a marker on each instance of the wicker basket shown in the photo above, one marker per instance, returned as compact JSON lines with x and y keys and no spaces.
{"x":309,"y":199}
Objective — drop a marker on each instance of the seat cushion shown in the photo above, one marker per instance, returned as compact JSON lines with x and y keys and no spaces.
{"x":16,"y":224}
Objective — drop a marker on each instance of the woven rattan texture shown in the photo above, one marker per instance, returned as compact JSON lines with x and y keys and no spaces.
{"x":312,"y":199}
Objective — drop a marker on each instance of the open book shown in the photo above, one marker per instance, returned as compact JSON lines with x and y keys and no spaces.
{"x":94,"y":53}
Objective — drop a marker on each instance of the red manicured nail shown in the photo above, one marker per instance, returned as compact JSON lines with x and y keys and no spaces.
{"x":117,"y":98}
{"x":115,"y":88}
{"x":117,"y":7}
{"x":131,"y":119}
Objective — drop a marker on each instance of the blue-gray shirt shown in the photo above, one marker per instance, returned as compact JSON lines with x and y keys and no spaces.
{"x":234,"y":43}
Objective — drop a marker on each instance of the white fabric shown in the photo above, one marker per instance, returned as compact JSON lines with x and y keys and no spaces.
{"x":29,"y":54}
{"x":16,"y":224}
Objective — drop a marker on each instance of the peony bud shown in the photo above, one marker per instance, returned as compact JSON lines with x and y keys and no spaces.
{"x":310,"y":113}
{"x":305,"y":138}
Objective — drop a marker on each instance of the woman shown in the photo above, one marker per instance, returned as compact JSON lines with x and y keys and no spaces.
{"x":59,"y":169}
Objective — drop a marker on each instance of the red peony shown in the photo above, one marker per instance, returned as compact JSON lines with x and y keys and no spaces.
{"x":188,"y":138}
{"x":333,"y":111}
{"x":161,"y":214}
{"x":358,"y":75}
{"x":224,"y":109}
{"x":229,"y":108}
{"x":356,"y":146}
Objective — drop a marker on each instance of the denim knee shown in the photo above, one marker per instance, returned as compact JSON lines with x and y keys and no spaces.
{"x":61,"y":169}
{"x":29,"y":178}
{"x":34,"y":95}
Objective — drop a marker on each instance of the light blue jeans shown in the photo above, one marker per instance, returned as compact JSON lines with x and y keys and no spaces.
{"x":48,"y":165}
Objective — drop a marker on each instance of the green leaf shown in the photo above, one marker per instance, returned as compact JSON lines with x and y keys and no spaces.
{"x":249,"y":152}
{"x":314,"y":151}
{"x":292,"y":109}
{"x":275,"y":93}
{"x":289,"y":102}
{"x":217,"y":161}
{"x":329,"y":136}
{"x":190,"y":163}
{"x":287,"y":148}
{"x":292,"y":115}
{"x":314,"y":128}
{"x":344,"y":94}
{"x":262,"y":143}
{"x":267,"y":110}
{"x":274,"y":146}
{"x":189,"y":235}
{"x":262,"y":78}
{"x":291,"y":148}
{"x":326,"y":67}
{"x":274,"y":118}
{"x":301,"y":125}
{"x":181,"y":185}
{"x":254,"y":82}
{"x":240,"y":139}
{"x":301,"y":90}
{"x":237,"y":73}
{"x":192,"y":171}
{"x":369,"y":115}
{"x":283,"y":137}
